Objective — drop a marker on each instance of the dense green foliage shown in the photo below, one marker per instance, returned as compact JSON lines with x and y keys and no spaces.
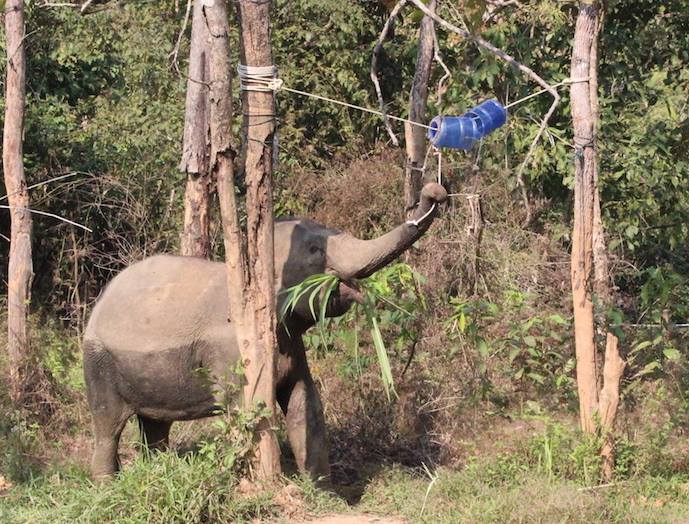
{"x":105,"y":103}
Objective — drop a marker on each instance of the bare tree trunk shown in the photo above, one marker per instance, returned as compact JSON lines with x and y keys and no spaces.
{"x":591,"y":252}
{"x":614,"y":365}
{"x":414,"y":135}
{"x":582,"y":235}
{"x":20,"y":270}
{"x":601,"y":282}
{"x":250,"y":272}
{"x":255,"y":51}
{"x":195,"y":239}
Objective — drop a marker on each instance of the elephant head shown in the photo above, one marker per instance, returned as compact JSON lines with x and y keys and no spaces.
{"x":304,"y":248}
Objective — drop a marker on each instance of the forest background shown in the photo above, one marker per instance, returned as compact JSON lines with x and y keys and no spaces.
{"x":482,"y":353}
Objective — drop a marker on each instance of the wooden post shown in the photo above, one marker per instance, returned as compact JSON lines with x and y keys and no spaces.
{"x":415,"y":136}
{"x":475,"y":230}
{"x":195,"y":239}
{"x":20,"y":271}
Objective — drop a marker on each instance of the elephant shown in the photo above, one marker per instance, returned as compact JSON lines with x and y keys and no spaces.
{"x":162,"y":319}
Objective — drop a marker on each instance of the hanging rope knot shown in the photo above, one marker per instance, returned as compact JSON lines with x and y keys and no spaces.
{"x":259,"y":78}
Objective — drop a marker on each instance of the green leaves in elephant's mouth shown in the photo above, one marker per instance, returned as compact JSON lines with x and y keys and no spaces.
{"x":316,"y":287}
{"x":319,"y":290}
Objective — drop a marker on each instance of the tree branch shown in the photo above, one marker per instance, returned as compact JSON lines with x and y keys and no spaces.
{"x":174,"y":55}
{"x":521,"y":67}
{"x":447,"y":73}
{"x":374,"y":66}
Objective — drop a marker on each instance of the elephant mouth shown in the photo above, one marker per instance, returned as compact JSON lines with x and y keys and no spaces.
{"x":349,"y":290}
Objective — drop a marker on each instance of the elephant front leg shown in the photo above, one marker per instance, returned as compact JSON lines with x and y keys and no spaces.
{"x":306,"y":427}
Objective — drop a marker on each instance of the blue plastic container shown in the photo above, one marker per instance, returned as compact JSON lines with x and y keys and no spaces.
{"x":455,"y":132}
{"x":462,"y":132}
{"x":488,"y":116}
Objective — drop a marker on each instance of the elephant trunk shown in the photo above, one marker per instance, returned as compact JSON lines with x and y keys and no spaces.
{"x":352,"y":258}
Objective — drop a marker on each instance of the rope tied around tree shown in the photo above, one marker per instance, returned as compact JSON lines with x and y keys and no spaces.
{"x":259,"y":78}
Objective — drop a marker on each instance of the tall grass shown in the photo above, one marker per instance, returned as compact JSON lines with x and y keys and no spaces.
{"x":162,"y":488}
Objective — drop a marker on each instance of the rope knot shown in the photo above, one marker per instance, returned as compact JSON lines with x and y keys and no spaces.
{"x":275,"y":84}
{"x":259,"y":78}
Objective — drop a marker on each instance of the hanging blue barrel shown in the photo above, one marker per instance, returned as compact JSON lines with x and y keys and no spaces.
{"x":455,"y":132}
{"x":488,"y":116}
{"x":462,"y":132}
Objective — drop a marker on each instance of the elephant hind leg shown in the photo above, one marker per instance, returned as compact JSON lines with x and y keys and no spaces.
{"x":106,"y":462}
{"x":109,"y":411}
{"x":155,"y":433}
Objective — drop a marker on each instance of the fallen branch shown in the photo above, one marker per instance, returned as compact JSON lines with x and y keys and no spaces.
{"x":44,"y":182}
{"x":85,"y":6}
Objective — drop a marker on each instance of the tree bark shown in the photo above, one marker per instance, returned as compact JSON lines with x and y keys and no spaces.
{"x":601,"y":282}
{"x":590,"y":268}
{"x":255,"y":50}
{"x":609,"y":401}
{"x":20,"y":270}
{"x":250,"y":264}
{"x":418,"y":97}
{"x":613,"y":367}
{"x":582,"y":234}
{"x":195,"y":239}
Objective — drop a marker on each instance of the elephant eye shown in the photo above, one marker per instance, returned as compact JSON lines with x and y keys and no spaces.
{"x":315,"y":249}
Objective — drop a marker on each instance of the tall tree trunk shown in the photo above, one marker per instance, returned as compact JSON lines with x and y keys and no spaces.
{"x":20,"y":271}
{"x":250,"y":275}
{"x":582,"y":234}
{"x":415,"y":139}
{"x":195,"y":239}
{"x":255,"y":51}
{"x":590,"y":271}
{"x":613,"y":366}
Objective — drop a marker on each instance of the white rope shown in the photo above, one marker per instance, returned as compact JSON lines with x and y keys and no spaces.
{"x":680,"y":326}
{"x":421,"y":219}
{"x":417,"y":221}
{"x":559,"y":84}
{"x":259,"y":78}
{"x":354,"y":106}
{"x":264,"y":79}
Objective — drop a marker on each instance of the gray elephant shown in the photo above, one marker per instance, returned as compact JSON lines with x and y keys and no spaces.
{"x":164,"y":318}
